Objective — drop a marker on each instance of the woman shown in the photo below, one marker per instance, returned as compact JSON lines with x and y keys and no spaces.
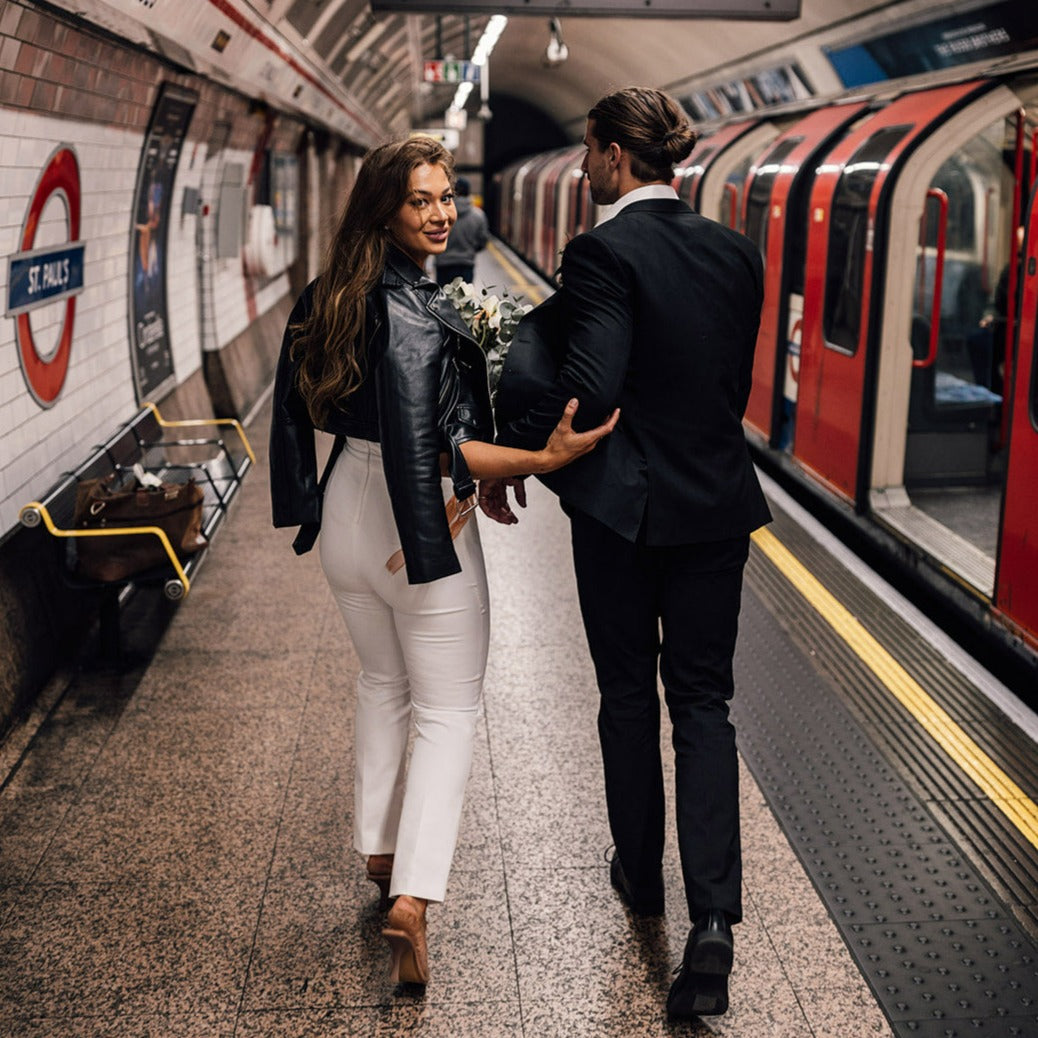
{"x":377,"y":355}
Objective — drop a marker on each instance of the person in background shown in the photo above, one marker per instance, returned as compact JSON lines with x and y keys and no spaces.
{"x":988,"y":347}
{"x":375,"y":354}
{"x":468,"y":236}
{"x":659,"y":315}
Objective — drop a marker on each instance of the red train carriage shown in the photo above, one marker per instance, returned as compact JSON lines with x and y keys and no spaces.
{"x":776,"y":199}
{"x":1016,"y":586}
{"x":887,"y":379}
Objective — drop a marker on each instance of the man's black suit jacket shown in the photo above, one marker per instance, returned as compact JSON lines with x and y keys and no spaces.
{"x":660,"y":309}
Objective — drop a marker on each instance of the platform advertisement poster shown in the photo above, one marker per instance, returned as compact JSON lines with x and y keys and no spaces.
{"x":151,"y":356}
{"x":284,"y":193}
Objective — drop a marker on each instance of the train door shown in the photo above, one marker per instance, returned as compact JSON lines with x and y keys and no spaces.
{"x":548,"y":250}
{"x":854,"y":234}
{"x":519,"y":205}
{"x":535,"y":178}
{"x":688,"y":177}
{"x":775,"y":216}
{"x":506,"y":203}
{"x":1016,"y":590}
{"x":526,"y":207}
{"x":939,"y":457}
{"x":569,"y":193}
{"x":581,"y":208}
{"x":719,"y":192}
{"x":533,"y":205}
{"x":958,"y":341}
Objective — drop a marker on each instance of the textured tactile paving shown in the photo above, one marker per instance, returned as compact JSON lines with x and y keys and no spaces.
{"x":984,"y":834}
{"x":940,"y":951}
{"x":953,"y":971}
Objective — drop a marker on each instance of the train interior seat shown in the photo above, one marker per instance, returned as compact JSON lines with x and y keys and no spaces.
{"x":950,"y":414}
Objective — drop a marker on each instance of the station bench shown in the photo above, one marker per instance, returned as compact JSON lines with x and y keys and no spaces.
{"x":160,"y":448}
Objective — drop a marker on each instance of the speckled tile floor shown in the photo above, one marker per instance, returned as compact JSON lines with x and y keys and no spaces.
{"x":175,"y":857}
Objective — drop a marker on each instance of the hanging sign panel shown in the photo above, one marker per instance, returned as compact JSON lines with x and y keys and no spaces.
{"x":993,"y":31}
{"x":745,"y":10}
{"x":446,"y":70}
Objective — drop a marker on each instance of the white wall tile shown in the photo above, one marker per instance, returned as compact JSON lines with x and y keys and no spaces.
{"x":37,"y":444}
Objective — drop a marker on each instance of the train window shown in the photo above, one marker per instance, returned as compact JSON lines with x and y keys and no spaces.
{"x":699,"y":163}
{"x":845,"y":265}
{"x":954,"y":180}
{"x":758,"y":204}
{"x":691,"y":174}
{"x":976,"y":187}
{"x":729,"y":213}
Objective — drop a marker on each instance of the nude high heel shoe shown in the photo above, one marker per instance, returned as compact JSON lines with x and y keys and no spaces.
{"x":405,"y":932}
{"x":380,"y":871}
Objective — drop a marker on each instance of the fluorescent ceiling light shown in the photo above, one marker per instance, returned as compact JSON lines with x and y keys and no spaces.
{"x":480,"y":56}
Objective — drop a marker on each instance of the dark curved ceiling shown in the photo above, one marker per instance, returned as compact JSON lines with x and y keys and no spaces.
{"x":339,"y":64}
{"x":378,"y":57}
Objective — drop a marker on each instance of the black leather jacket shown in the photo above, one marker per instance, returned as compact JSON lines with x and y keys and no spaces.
{"x":425,"y":392}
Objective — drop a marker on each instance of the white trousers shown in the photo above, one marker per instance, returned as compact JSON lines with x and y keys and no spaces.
{"x":423,"y":653}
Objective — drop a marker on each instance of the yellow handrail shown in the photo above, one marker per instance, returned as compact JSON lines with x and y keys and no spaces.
{"x":202,"y":421}
{"x":57,"y":531}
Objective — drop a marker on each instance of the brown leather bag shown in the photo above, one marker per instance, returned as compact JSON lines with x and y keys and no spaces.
{"x":175,"y":508}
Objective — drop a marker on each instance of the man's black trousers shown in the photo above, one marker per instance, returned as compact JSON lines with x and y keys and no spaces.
{"x":630,"y":595}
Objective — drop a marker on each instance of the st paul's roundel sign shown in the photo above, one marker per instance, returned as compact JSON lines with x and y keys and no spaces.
{"x":41,"y":275}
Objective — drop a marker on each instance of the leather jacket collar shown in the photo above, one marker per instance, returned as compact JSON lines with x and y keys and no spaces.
{"x":402,"y":271}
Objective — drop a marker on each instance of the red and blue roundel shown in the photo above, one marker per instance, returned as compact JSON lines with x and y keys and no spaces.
{"x":39,"y":276}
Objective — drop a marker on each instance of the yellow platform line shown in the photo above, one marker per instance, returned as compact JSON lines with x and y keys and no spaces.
{"x":1003,"y":792}
{"x":531,"y":291}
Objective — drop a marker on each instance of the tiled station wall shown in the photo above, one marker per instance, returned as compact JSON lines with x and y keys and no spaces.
{"x":63,"y":85}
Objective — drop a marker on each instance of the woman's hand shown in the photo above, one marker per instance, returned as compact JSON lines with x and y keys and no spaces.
{"x":565,"y":445}
{"x":490,"y":461}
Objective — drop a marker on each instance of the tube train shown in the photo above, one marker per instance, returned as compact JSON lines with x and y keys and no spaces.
{"x":895,"y":377}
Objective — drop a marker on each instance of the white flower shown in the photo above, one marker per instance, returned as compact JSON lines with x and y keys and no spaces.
{"x":492,"y":320}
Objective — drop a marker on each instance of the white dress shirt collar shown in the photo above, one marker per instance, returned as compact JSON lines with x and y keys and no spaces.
{"x":639,"y":194}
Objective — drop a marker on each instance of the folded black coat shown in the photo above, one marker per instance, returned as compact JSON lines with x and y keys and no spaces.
{"x":532,"y":361}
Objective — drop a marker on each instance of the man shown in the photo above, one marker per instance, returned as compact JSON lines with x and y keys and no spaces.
{"x":659,"y":309}
{"x":468,"y":236}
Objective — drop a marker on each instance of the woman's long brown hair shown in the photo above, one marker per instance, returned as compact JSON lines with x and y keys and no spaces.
{"x":329,"y":345}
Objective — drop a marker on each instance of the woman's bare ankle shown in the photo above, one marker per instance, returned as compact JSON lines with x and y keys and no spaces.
{"x":418,"y":903}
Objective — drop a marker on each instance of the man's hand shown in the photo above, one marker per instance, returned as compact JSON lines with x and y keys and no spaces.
{"x":493,"y":498}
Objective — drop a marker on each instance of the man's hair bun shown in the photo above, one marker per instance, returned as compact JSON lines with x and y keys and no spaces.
{"x":648,"y":124}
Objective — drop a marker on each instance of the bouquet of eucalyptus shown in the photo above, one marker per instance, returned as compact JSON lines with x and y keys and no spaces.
{"x":492,"y":320}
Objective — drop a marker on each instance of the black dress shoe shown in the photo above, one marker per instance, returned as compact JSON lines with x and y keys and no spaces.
{"x":701,"y":987}
{"x":647,"y":903}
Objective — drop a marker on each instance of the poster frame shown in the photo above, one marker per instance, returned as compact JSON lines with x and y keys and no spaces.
{"x":151,"y":351}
